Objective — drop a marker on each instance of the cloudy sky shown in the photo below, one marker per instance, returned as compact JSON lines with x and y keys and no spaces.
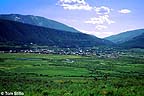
{"x":98,"y":17}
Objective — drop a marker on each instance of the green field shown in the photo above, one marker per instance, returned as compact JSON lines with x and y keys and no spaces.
{"x":69,"y":75}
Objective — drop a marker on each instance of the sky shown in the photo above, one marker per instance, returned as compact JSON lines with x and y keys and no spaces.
{"x":101,"y":18}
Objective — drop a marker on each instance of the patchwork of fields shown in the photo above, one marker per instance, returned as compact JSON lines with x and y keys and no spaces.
{"x":69,"y":75}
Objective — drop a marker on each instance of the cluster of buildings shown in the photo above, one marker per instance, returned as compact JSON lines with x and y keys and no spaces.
{"x":99,"y":52}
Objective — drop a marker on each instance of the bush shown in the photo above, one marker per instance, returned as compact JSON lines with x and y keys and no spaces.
{"x":45,"y":93}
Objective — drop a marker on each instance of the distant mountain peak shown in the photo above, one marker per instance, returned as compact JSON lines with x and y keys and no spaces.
{"x":125,"y":36}
{"x":129,"y":39}
{"x":38,"y":21}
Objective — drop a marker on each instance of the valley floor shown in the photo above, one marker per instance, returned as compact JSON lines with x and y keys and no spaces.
{"x":32,"y":74}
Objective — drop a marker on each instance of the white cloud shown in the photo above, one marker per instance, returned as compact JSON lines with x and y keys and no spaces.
{"x":124,"y":11}
{"x":74,"y":5}
{"x":95,"y":20}
{"x":102,"y":10}
{"x":73,"y":1}
{"x":102,"y":13}
{"x":100,"y":20}
{"x":101,"y":27}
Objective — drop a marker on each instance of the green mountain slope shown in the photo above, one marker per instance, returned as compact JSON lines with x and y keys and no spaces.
{"x":125,"y":36}
{"x":38,"y":21}
{"x":136,"y":42}
{"x":20,"y":33}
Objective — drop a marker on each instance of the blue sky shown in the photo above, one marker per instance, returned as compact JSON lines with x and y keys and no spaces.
{"x":98,"y":17}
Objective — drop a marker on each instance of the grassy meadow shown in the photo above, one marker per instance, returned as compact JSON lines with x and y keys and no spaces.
{"x":70,"y":75}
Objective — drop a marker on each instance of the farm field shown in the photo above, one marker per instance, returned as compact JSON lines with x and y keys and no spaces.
{"x":71,"y":75}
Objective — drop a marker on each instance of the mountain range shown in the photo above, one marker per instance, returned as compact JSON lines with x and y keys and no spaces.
{"x":136,"y":42}
{"x":125,"y":36}
{"x":26,"y":29}
{"x":129,"y":39}
{"x":38,"y":21}
{"x":20,"y":33}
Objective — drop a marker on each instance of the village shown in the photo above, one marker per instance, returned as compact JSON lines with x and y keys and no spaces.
{"x":98,"y":52}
